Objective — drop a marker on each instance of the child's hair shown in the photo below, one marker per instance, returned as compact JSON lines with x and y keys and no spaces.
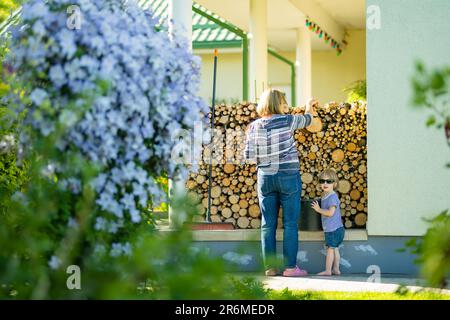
{"x":271,"y":102}
{"x":330,"y":173}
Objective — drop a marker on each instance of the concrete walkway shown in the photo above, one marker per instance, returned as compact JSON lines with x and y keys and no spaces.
{"x":347,"y":283}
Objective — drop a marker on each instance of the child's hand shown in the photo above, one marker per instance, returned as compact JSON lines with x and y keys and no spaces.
{"x":315,"y":206}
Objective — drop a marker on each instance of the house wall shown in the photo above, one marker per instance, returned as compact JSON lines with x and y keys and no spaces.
{"x":229,"y":76}
{"x":330,"y":73}
{"x":407,"y":179}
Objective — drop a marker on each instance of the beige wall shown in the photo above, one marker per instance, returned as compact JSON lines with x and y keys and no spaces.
{"x":330,"y":73}
{"x":229,"y":76}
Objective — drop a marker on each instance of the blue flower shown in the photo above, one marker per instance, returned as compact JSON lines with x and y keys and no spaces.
{"x":67,"y":41}
{"x":38,"y":96}
{"x":57,"y":75}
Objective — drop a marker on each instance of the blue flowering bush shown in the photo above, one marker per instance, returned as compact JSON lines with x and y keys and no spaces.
{"x":110,"y":91}
{"x":97,"y":94}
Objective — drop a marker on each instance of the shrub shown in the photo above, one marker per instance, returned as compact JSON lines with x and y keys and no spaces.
{"x":12,"y":173}
{"x":356,"y":91}
{"x":431,"y":91}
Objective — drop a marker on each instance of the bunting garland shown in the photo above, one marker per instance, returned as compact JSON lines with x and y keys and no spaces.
{"x":327,"y":38}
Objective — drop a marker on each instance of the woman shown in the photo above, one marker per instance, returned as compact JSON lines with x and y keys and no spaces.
{"x":270,"y":144}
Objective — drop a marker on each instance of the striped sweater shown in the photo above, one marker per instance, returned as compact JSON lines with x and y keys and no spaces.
{"x":270,"y":142}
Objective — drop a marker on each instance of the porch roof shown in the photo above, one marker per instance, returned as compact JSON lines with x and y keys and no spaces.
{"x":205,"y":33}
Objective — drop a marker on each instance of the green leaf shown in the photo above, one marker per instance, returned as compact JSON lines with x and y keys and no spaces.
{"x":431,"y":121}
{"x":437,"y":81}
{"x":419,"y":67}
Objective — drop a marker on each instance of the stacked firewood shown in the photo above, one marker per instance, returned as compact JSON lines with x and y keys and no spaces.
{"x":336,"y":139}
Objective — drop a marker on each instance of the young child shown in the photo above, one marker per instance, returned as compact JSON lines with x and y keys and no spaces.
{"x":331,"y":220}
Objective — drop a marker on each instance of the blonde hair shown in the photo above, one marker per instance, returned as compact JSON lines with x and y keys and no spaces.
{"x":330,"y":173}
{"x":271,"y":101}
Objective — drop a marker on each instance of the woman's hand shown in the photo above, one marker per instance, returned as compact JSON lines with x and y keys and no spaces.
{"x":315,"y":206}
{"x":311,"y":105}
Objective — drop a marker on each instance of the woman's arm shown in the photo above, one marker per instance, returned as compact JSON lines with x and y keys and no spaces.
{"x":303,"y":121}
{"x":300,"y":121}
{"x":250,"y":147}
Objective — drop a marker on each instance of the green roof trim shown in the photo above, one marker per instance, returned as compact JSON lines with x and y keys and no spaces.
{"x":206,"y":33}
{"x":216,"y":44}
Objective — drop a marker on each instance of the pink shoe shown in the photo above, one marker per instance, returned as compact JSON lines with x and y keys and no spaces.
{"x":297,"y":272}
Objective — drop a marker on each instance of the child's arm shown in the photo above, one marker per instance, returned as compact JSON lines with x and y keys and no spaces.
{"x":327,"y":213}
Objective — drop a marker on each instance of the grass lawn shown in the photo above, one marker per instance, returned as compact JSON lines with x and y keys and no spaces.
{"x":333,"y":295}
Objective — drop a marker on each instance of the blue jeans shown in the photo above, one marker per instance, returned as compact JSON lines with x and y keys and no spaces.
{"x":282,"y":188}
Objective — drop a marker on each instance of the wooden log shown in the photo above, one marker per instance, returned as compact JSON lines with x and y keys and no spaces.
{"x":255,"y":223}
{"x":233,"y":199}
{"x":243,"y":212}
{"x":348,"y":224}
{"x":355,"y":194}
{"x":243,"y":222}
{"x":229,"y":168}
{"x":307,"y":177}
{"x":351,"y":147}
{"x":232,"y":220}
{"x":338,"y":155}
{"x":362,"y":169}
{"x":200,"y":179}
{"x":226,"y":182}
{"x":249,"y":181}
{"x":344,"y":186}
{"x":243,"y":203}
{"x":315,"y":126}
{"x":253,"y":211}
{"x":360,"y":219}
{"x":226,"y":212}
{"x":235,"y":208}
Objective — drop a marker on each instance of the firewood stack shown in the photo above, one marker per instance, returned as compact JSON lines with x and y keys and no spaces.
{"x":336,"y":139}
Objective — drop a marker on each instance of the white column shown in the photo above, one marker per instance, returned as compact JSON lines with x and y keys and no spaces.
{"x":180,"y":19}
{"x":258,"y":48}
{"x":180,"y":24}
{"x":303,"y":64}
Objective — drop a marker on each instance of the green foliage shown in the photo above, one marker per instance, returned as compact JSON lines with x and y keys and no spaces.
{"x":431,"y":91}
{"x":164,"y":265}
{"x":5,"y":8}
{"x":356,"y":91}
{"x":433,"y":250}
{"x":12,"y":171}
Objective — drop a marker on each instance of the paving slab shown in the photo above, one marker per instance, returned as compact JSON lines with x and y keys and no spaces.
{"x":348,"y":283}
